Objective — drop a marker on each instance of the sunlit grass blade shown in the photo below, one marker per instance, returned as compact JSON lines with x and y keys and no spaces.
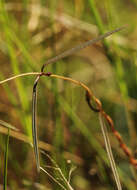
{"x":6,"y":161}
{"x":17,"y":76}
{"x":34,"y":127}
{"x":109,"y":152}
{"x":8,"y":125}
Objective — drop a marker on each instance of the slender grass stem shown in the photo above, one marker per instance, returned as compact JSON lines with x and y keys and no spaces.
{"x":56,"y":167}
{"x":56,"y":181}
{"x":96,"y":15}
{"x":65,"y":180}
{"x":20,"y":75}
{"x":109,"y":152}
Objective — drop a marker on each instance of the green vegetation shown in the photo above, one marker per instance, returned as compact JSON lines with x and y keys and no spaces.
{"x":71,"y":146}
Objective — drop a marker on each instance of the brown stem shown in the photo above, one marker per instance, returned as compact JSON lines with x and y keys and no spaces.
{"x":99,"y":109}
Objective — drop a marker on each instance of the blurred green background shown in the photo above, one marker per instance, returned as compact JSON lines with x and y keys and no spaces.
{"x":33,"y":31}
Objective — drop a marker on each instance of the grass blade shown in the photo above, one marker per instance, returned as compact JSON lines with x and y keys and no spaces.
{"x":12,"y":52}
{"x":6,"y":161}
{"x":7,"y":125}
{"x":55,"y":165}
{"x":109,"y":152}
{"x":56,"y":181}
{"x":34,"y":128}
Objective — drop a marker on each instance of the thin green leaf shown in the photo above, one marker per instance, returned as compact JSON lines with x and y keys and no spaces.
{"x":9,"y":39}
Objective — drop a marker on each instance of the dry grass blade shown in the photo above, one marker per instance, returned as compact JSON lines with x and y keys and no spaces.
{"x":109,"y":152}
{"x":20,"y":75}
{"x":34,"y":122}
{"x":7,"y":125}
{"x":42,"y":145}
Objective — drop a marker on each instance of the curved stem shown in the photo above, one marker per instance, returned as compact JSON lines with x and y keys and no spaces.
{"x":20,"y":75}
{"x":123,"y":146}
